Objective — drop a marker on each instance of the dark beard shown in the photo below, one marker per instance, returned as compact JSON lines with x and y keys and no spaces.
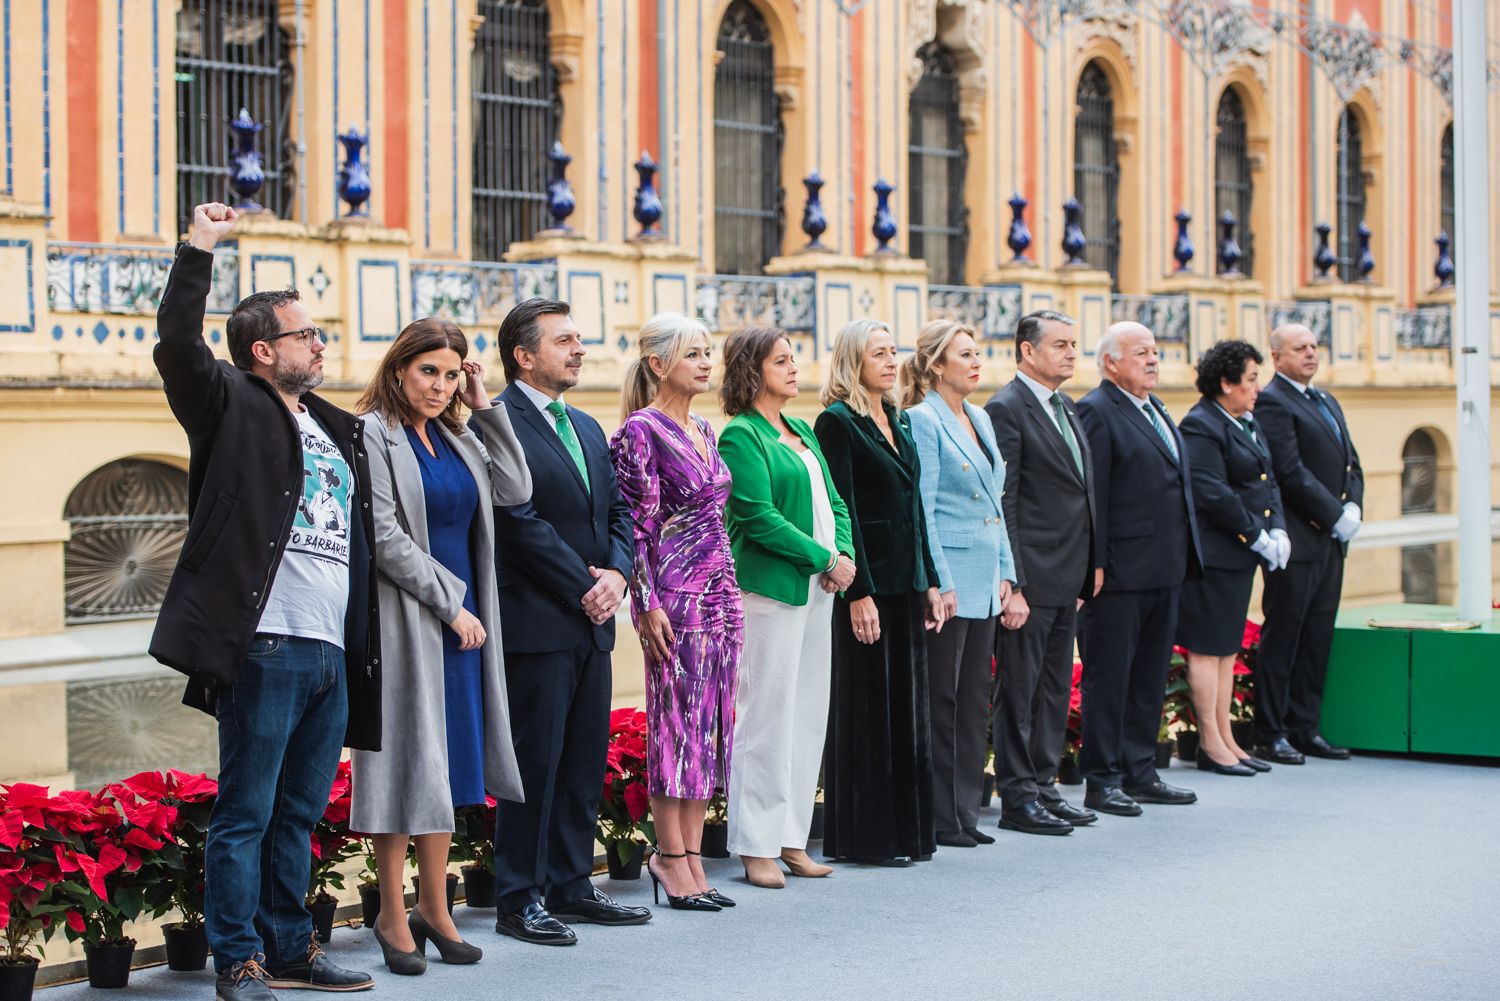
{"x":292,"y":381}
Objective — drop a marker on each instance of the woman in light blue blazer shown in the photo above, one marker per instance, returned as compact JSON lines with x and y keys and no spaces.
{"x":962,"y":479}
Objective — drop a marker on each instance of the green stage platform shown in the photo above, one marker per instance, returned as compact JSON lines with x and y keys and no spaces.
{"x":1413,"y":690}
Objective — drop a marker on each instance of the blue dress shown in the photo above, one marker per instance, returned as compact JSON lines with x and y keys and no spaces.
{"x":452,"y":502}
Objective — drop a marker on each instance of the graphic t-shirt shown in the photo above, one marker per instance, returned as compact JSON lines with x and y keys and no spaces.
{"x":311,"y":590}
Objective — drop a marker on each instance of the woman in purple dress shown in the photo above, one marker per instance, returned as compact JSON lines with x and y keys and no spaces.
{"x":685,"y":601}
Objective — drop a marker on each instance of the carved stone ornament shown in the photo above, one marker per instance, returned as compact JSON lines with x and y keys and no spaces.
{"x":1112,"y":21}
{"x":960,"y":25}
{"x":1350,"y":56}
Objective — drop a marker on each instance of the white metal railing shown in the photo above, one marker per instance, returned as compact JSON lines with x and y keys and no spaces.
{"x":474,"y":293}
{"x":991,"y":310}
{"x":126,"y":279}
{"x":724,"y":302}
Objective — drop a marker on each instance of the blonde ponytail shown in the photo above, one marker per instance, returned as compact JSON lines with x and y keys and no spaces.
{"x":932,"y":344}
{"x":667,"y":337}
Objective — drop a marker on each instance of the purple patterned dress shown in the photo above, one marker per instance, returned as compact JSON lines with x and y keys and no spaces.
{"x":684,"y":566}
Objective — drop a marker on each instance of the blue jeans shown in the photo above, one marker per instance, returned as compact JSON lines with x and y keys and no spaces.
{"x":281,"y":728}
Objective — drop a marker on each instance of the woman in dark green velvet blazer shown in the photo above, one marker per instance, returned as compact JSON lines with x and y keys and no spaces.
{"x":877,"y":776}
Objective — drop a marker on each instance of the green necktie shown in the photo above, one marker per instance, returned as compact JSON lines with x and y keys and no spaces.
{"x":1248,"y":425}
{"x":1067,"y":431}
{"x":559,"y":411}
{"x":1159,"y":427}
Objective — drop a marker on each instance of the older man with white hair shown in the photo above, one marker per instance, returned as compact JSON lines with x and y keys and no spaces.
{"x":1322,"y":487}
{"x":1145,"y":546}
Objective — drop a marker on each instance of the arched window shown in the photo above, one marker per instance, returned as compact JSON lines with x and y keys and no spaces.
{"x":231,"y":54}
{"x":937,"y":218}
{"x":516,"y":115}
{"x":1233,"y":188}
{"x":128,"y":520}
{"x":1351,"y":194}
{"x":1448,"y":221}
{"x":1419,"y":570}
{"x":1096,"y":170}
{"x":748,"y":211}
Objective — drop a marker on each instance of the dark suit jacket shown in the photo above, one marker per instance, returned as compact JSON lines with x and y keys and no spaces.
{"x":1049,"y":507}
{"x":880,"y":487}
{"x":1234,"y":490}
{"x":1143,"y":528}
{"x":544,"y":547}
{"x":1316,"y":470}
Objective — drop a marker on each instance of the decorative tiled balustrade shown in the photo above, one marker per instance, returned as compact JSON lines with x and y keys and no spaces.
{"x":1166,"y":316}
{"x":991,"y":310}
{"x":1314,"y":314}
{"x":1426,"y":327}
{"x":120,"y":279}
{"x":725,"y":302}
{"x":477,"y":293}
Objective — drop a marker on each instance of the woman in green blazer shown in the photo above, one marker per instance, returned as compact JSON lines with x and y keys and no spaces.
{"x":877,"y":777}
{"x":792,"y":545}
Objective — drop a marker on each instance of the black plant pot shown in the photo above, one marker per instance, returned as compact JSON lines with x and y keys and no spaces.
{"x":187,"y":946}
{"x":715,"y":840}
{"x":1164,"y":753}
{"x":987,"y":791}
{"x":416,"y":885}
{"x":322,"y":915}
{"x":369,"y":903}
{"x":1187,"y":744}
{"x":18,"y":980}
{"x":1244,"y":733}
{"x":479,"y":887}
{"x":109,"y":964}
{"x":815,"y":829}
{"x":1068,"y":773}
{"x":630,"y":867}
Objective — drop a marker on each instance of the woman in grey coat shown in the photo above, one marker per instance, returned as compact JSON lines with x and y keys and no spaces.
{"x":446,"y":738}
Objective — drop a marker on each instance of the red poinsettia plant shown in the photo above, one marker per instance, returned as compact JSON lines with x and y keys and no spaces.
{"x":624,"y":806}
{"x":192,"y":796}
{"x":332,"y":842}
{"x":474,"y":836}
{"x":1242,"y":705}
{"x":29,"y":871}
{"x":1073,"y":735}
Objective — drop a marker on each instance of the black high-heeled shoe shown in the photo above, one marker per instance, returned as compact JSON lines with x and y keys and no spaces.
{"x":712,"y":893}
{"x":692,"y":902}
{"x":407,"y":964}
{"x":455,"y":952}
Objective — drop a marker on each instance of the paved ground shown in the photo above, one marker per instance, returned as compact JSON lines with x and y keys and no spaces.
{"x":1373,"y":879}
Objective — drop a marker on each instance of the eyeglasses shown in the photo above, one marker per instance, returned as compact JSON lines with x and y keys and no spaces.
{"x":304,"y":336}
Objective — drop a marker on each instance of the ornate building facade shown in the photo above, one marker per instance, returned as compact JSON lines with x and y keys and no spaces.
{"x":1209,"y":168}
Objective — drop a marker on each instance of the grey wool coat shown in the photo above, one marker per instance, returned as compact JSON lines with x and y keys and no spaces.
{"x":403,"y":787}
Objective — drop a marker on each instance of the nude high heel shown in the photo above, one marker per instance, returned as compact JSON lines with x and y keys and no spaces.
{"x":763,"y":872}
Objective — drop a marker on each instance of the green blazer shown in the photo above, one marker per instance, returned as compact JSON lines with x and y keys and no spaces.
{"x":769,"y":515}
{"x":880,"y":486}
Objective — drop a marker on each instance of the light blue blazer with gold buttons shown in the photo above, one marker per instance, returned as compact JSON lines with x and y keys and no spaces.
{"x":961,"y":488}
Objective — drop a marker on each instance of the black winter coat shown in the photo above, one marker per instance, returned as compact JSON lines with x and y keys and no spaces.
{"x":244,"y":481}
{"x":1234,"y":490}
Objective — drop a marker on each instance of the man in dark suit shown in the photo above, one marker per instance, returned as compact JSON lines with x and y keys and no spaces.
{"x":562,"y":559}
{"x":1322,"y":487}
{"x":1145,"y":546}
{"x":1049,"y":513}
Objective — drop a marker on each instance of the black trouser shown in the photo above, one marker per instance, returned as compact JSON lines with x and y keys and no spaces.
{"x":1033,"y":679}
{"x":1300,"y":604}
{"x":1125,"y":639}
{"x":958,"y":673}
{"x":559,"y":718}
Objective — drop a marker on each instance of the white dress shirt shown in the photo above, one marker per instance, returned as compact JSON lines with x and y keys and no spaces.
{"x":1043,"y":396}
{"x":540,"y":400}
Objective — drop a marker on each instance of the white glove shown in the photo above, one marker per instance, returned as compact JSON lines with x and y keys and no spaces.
{"x":1348,"y":524}
{"x":1283,"y":548}
{"x":1265,"y":547}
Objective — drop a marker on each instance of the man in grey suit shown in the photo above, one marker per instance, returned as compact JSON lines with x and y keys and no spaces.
{"x":1049,"y":512}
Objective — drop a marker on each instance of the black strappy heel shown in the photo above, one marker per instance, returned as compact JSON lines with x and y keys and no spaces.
{"x":693,"y":902}
{"x":712,"y":893}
